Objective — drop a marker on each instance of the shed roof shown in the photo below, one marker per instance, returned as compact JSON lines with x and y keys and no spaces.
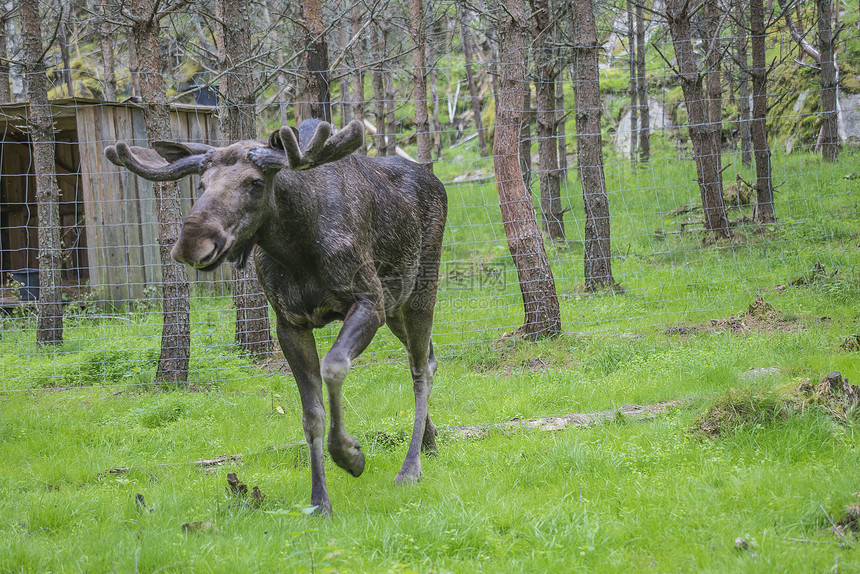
{"x":13,"y":115}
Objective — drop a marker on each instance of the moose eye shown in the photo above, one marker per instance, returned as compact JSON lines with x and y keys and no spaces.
{"x":257,"y":184}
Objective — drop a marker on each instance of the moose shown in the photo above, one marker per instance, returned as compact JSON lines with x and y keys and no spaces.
{"x":334,"y":236}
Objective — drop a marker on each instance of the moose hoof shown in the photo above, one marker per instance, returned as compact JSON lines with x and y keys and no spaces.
{"x":348,"y":456}
{"x":323,"y":509}
{"x":408,"y":475}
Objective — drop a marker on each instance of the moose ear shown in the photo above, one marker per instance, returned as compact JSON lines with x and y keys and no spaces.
{"x":173,"y":151}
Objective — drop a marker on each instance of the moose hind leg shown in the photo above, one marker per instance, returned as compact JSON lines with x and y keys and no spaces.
{"x":418,"y":324}
{"x":395,"y":324}
{"x":358,"y":329}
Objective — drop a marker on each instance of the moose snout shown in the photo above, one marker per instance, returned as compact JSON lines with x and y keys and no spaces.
{"x":201,"y":246}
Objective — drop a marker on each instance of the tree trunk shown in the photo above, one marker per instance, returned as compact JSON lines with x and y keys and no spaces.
{"x":419,"y":78}
{"x":550,"y":188}
{"x":390,"y":104}
{"x":108,"y":64}
{"x":176,"y":330}
{"x":560,"y":130}
{"x":316,"y":63}
{"x":763,"y":212}
{"x":642,"y":87}
{"x":357,"y":16}
{"x":829,"y":136}
{"x":713,"y":69}
{"x":587,"y":104}
{"x":49,"y":308}
{"x":5,"y":89}
{"x":378,"y":81}
{"x":525,"y":138}
{"x":743,"y":83}
{"x":434,"y":95}
{"x":634,"y":85}
{"x":803,"y":44}
{"x":494,"y":67}
{"x":133,"y":67}
{"x":542,"y":314}
{"x":239,"y":122}
{"x":703,"y":134}
{"x":470,"y":78}
{"x":62,"y":40}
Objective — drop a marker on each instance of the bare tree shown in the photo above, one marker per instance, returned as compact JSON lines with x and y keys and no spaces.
{"x":390,"y":100}
{"x":546,"y":73}
{"x":106,"y":42}
{"x":713,"y":68}
{"x":542,"y":314}
{"x":763,"y":212}
{"x":703,"y":134}
{"x":276,"y":29}
{"x":378,"y":82}
{"x":560,"y":120}
{"x":634,"y":84}
{"x":642,"y":86}
{"x":828,"y":140}
{"x":586,"y":86}
{"x":419,"y":78}
{"x":49,"y":329}
{"x":356,"y":21}
{"x":145,"y":18}
{"x":5,"y":89}
{"x":134,"y":68}
{"x":62,"y":39}
{"x":434,"y":91}
{"x":466,"y":38}
{"x":828,"y":136}
{"x":317,"y":99}
{"x":239,"y":122}
{"x":525,"y":139}
{"x":743,"y":78}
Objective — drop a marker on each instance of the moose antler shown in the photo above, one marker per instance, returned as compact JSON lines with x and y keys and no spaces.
{"x":166,"y":161}
{"x":284,"y":152}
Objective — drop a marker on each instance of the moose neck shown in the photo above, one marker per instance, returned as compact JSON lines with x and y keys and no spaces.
{"x":291,"y":230}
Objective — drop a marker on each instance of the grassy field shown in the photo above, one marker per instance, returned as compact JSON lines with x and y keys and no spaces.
{"x":624,"y":495}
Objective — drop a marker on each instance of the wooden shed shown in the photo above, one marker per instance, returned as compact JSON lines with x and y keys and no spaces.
{"x":108,"y":215}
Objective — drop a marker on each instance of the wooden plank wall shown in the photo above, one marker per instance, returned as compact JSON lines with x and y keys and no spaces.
{"x":122,"y":220}
{"x":20,"y":239}
{"x":20,"y":224}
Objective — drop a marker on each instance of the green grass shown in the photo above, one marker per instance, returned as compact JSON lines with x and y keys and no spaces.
{"x":620,"y":496}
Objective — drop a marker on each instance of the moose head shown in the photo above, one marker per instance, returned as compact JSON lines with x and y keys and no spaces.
{"x":237,"y":182}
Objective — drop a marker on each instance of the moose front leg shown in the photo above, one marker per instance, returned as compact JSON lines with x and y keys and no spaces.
{"x":360,"y":325}
{"x":300,"y":351}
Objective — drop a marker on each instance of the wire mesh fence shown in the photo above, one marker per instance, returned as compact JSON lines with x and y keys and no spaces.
{"x":668,"y":272}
